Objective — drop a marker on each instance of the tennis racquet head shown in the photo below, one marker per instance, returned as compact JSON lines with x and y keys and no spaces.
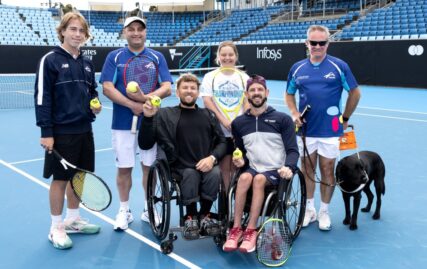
{"x":228,"y":87}
{"x":274,"y":241}
{"x":144,"y":71}
{"x":90,"y":189}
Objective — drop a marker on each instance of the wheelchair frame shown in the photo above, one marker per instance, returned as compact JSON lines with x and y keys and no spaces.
{"x":162,"y":188}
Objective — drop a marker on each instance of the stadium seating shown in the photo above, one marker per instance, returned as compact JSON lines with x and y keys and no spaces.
{"x":233,"y":27}
{"x":405,"y":19}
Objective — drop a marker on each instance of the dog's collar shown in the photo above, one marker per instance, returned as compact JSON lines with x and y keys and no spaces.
{"x":354,"y":191}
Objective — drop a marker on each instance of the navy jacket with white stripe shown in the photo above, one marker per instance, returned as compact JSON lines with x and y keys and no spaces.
{"x":63,"y":90}
{"x":267,"y":141}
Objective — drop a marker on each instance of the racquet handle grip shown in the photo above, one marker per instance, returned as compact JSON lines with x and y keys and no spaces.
{"x":134,"y":124}
{"x":307,"y":109}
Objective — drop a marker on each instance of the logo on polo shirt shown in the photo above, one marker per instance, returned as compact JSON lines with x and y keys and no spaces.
{"x":330,"y":75}
{"x":65,"y":66}
{"x":87,"y":68}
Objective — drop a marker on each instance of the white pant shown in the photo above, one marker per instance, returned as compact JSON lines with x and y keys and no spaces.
{"x":327,"y":147}
{"x":125,"y":146}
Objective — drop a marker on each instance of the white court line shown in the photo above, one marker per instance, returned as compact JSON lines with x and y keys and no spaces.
{"x":389,"y":117}
{"x":378,"y":116}
{"x":41,"y":159}
{"x":363,"y":107}
{"x":106,"y":219}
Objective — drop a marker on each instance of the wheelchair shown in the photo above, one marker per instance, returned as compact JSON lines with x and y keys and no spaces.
{"x":294,"y":202}
{"x":163,"y":187}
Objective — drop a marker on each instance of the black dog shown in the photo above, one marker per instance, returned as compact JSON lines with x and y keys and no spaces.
{"x":351,"y":173}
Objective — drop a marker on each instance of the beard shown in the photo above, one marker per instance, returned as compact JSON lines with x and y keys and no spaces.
{"x":188,"y":104}
{"x":255,"y":104}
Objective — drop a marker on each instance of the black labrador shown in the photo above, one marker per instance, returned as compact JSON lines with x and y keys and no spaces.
{"x":354,"y":175}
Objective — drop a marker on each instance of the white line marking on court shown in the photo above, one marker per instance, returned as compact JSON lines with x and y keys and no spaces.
{"x":41,"y":159}
{"x":106,"y":219}
{"x":379,"y":116}
{"x":393,"y":110}
{"x":362,"y":107}
{"x":389,"y":117}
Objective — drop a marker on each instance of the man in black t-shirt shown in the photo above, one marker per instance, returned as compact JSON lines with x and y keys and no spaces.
{"x":193,"y":142}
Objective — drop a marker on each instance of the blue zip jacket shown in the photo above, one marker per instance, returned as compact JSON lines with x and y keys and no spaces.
{"x":63,"y":90}
{"x":267,"y":141}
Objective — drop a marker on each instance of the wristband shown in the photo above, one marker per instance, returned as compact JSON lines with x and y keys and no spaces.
{"x":345,"y":119}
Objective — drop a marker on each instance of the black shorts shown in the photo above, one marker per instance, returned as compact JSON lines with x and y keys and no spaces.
{"x":77,"y":149}
{"x":230,"y":145}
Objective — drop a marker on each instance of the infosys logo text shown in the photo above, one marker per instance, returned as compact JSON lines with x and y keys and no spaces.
{"x":269,"y":54}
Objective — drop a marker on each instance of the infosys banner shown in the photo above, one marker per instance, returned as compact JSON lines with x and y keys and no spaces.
{"x":386,"y":63}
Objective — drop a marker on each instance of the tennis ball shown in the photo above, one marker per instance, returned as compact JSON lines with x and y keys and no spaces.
{"x":94,"y":103}
{"x":155,"y":100}
{"x":237,"y":153}
{"x":132,"y":86}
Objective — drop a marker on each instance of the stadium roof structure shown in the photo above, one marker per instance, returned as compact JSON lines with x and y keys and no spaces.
{"x":174,"y":2}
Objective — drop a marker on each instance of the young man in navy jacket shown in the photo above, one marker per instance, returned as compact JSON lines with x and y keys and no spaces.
{"x":65,"y":84}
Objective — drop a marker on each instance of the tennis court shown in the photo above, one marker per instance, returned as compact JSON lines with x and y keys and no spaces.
{"x":390,"y":121}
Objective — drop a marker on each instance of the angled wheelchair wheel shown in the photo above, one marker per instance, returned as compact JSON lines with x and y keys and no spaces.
{"x":294,"y":203}
{"x":158,"y":199}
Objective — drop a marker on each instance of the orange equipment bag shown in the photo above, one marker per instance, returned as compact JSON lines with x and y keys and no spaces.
{"x":348,"y":140}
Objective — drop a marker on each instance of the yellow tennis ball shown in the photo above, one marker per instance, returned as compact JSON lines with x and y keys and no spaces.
{"x":237,"y":153}
{"x":156,"y":101}
{"x":94,"y":103}
{"x":132,"y":86}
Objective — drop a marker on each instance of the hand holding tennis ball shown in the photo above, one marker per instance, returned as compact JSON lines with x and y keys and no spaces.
{"x":94,"y":103}
{"x":156,"y":101}
{"x":237,"y":154}
{"x":132,"y":86}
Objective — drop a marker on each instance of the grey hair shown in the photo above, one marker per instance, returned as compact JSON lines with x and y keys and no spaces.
{"x":319,"y":28}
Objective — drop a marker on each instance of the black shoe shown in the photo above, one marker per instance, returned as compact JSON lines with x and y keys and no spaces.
{"x":209,"y":226}
{"x":191,"y":229}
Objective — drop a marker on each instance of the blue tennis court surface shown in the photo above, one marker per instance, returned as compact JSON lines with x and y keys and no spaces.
{"x":390,"y":121}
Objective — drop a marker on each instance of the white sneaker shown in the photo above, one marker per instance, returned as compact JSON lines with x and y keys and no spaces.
{"x":145,"y":217}
{"x":324,"y":221}
{"x":123,"y":219}
{"x":80,"y":225}
{"x":309,"y":217}
{"x":59,"y":237}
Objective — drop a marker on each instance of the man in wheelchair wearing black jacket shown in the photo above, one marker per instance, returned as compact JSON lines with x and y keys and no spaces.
{"x":193,"y":143}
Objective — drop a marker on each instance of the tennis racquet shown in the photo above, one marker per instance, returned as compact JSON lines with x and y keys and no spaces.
{"x":144,"y":71}
{"x":90,"y":189}
{"x":228,"y":87}
{"x":274,"y":241}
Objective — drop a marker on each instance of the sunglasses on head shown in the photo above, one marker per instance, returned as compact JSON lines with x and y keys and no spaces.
{"x":315,"y":43}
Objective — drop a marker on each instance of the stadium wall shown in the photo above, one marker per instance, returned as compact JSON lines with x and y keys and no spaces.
{"x":385,"y":63}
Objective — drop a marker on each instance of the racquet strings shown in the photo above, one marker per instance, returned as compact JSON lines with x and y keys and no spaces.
{"x":228,"y":88}
{"x":92,"y":192}
{"x":274,"y":243}
{"x":143,"y":71}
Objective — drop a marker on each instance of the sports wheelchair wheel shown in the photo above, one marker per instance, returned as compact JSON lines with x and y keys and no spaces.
{"x":158,"y":198}
{"x":294,"y":203}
